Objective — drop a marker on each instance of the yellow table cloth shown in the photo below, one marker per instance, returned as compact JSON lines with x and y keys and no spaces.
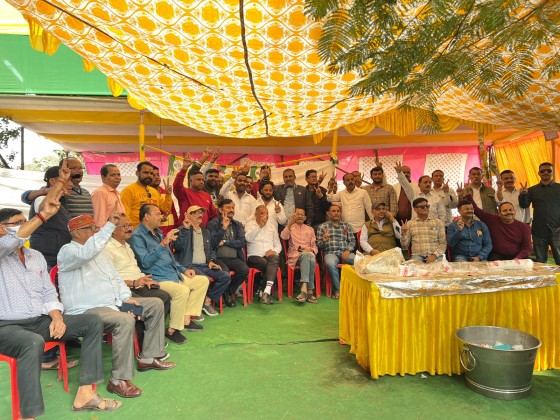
{"x":411,"y":335}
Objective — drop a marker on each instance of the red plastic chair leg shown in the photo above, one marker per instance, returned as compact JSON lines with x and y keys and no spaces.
{"x":317,"y":281}
{"x":244,"y":290}
{"x":279,"y":281}
{"x":12,"y":362}
{"x":291,"y":275}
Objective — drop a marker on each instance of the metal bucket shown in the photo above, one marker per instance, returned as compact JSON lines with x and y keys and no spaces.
{"x":497,"y":373}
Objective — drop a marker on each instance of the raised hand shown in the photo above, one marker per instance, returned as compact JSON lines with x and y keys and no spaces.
{"x":168,"y":187}
{"x":206,"y":152}
{"x":378,"y":162}
{"x":332,"y":184}
{"x":216,"y":154}
{"x":398,"y":167}
{"x":64,"y":172}
{"x":500,"y":183}
{"x":404,"y":226}
{"x":524,"y":189}
{"x":326,"y":236}
{"x":318,"y":191}
{"x":277,"y":207}
{"x":50,"y":205}
{"x":226,"y":221}
{"x":187,"y":161}
{"x":186,"y":222}
{"x":446,"y":187}
{"x":321,"y":178}
{"x":460,"y":224}
{"x":115,"y":216}
{"x":170,"y":237}
{"x":468,"y":189}
{"x":390,"y":217}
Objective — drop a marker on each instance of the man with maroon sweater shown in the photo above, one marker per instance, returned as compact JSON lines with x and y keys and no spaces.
{"x":193,"y":196}
{"x":510,"y":238}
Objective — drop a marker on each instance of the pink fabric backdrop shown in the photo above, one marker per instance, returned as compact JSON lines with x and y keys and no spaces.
{"x":415,"y":157}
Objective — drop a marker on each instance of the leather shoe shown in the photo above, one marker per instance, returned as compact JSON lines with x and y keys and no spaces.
{"x":229,"y":300}
{"x":266,"y":299}
{"x":157,"y":364}
{"x":125,"y":389}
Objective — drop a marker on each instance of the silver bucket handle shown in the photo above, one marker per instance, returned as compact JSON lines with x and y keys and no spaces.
{"x":470,"y":357}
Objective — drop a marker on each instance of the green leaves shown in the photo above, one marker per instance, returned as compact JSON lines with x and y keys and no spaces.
{"x":415,"y":50}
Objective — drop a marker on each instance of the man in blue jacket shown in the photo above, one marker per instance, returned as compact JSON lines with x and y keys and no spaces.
{"x":193,"y":250}
{"x":228,"y":239}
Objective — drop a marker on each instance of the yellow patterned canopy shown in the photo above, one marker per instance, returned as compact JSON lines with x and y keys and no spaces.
{"x":246,"y":69}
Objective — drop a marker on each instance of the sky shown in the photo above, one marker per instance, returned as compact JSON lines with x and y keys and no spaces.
{"x":35,"y":146}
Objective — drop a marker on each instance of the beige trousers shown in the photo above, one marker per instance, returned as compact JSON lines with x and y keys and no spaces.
{"x":187,"y":298}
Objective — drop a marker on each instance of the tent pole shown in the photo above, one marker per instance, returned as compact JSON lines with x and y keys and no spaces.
{"x":141,"y":138}
{"x":22,"y":137}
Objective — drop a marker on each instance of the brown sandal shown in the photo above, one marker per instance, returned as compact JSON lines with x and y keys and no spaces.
{"x":312,"y":299}
{"x":301,"y":298}
{"x":95,"y":402}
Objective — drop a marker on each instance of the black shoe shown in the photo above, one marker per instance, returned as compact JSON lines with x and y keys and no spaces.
{"x":176,"y":337}
{"x":192,"y":327}
{"x":229,"y":301}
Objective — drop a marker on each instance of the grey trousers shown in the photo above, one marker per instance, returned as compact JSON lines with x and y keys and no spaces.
{"x":25,"y":340}
{"x":121,"y":326}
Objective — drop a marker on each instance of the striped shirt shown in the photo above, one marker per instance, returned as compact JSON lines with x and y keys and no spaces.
{"x":427,"y":237}
{"x":25,"y":291}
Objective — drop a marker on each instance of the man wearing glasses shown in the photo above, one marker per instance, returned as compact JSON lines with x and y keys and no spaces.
{"x":545,"y":197}
{"x":426,"y":234}
{"x":380,"y":233}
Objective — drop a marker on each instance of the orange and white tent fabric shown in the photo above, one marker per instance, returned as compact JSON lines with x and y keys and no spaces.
{"x":246,"y":69}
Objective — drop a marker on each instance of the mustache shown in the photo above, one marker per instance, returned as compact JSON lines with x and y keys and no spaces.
{"x":76,"y":176}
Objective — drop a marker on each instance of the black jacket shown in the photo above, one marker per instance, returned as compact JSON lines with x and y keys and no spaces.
{"x":302,"y":200}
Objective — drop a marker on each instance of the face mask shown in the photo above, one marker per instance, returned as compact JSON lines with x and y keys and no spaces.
{"x":13,"y":229}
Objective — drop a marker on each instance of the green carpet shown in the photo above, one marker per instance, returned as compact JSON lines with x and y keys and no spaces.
{"x":284,"y":362}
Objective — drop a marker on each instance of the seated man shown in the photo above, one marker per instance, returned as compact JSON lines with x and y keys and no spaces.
{"x":302,"y":251}
{"x":121,"y":255}
{"x":468,"y":238}
{"x":426,"y":234}
{"x":263,"y":247}
{"x":89,"y":283}
{"x":31,"y":314}
{"x":510,"y":238}
{"x":337,"y":241}
{"x":187,"y":290}
{"x":380,"y":233}
{"x":193,"y":250}
{"x":228,"y":238}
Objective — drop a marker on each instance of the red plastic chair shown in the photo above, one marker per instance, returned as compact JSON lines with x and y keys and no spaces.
{"x":251,"y":283}
{"x":291,"y":274}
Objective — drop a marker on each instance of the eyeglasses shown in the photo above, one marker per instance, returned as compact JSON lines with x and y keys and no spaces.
{"x":126,"y":226}
{"x":200,"y":211}
{"x":423,"y":206}
{"x":542,"y":171}
{"x":18,"y":223}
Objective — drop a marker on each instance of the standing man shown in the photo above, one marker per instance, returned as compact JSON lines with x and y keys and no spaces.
{"x":263,"y":249}
{"x":105,"y":197}
{"x":436,"y":206}
{"x":294,"y":196}
{"x":168,"y":220}
{"x":89,"y":283}
{"x":507,"y":192}
{"x":193,"y":250}
{"x":355,"y":203}
{"x":381,"y":192}
{"x":426,"y":234}
{"x":404,"y":205}
{"x":211,"y":181}
{"x":469,"y":239}
{"x":337,"y":241}
{"x":447,"y":195}
{"x":228,"y":238}
{"x":381,"y":232}
{"x":302,"y":251}
{"x":244,"y":202}
{"x":154,"y":257}
{"x":545,"y":197}
{"x":79,"y":200}
{"x":193,"y":195}
{"x":48,"y":238}
{"x":357,"y":178}
{"x":318,"y":197}
{"x":483,"y":196}
{"x":276,"y":214}
{"x":264,"y":176}
{"x":141,"y":192}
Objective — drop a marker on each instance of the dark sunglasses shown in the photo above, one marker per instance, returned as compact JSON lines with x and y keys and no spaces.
{"x":423,"y":206}
{"x":542,"y":171}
